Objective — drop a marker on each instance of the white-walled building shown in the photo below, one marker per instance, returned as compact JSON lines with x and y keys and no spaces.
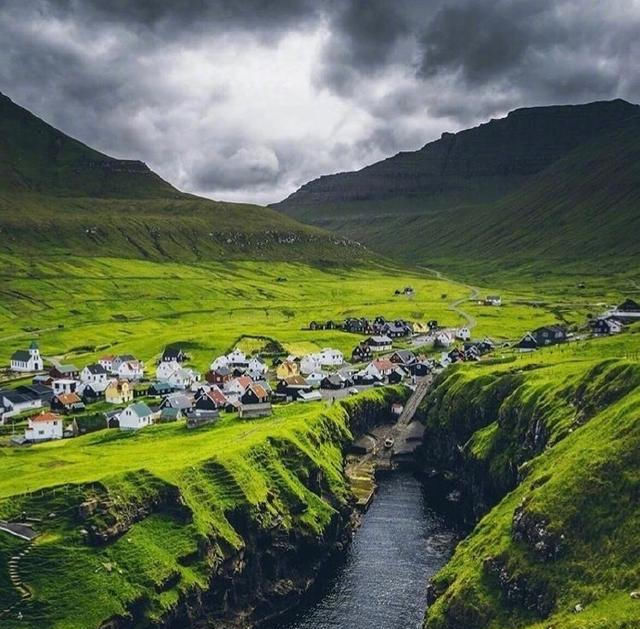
{"x":130,"y":370}
{"x":329,"y":357}
{"x":44,"y":427}
{"x":165,"y":369}
{"x":309,"y":364}
{"x":64,"y":385}
{"x":95,"y":374}
{"x":135,"y":416}
{"x":464,"y":334}
{"x":27,"y":360}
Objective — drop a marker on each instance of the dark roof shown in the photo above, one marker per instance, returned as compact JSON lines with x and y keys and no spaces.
{"x":16,"y":398}
{"x":629,"y":305}
{"x":22,"y":355}
{"x":95,"y":368}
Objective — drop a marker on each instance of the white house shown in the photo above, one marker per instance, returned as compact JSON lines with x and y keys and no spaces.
{"x":14,"y":403}
{"x":315,"y":378}
{"x":44,"y":427}
{"x":311,"y":396}
{"x":27,"y":360}
{"x":94,"y":374}
{"x":379,"y":368}
{"x":221,"y":361}
{"x":444,"y":339}
{"x":237,"y":386}
{"x":380,"y":343}
{"x":165,"y":369}
{"x":64,"y":385}
{"x":107,"y":362}
{"x":130,"y":370}
{"x":257,"y":366}
{"x":135,"y":416}
{"x":464,"y":334}
{"x":183,"y":378}
{"x":118,"y":361}
{"x":330,"y":357}
{"x":309,"y":363}
{"x":237,"y":358}
{"x":493,"y":300}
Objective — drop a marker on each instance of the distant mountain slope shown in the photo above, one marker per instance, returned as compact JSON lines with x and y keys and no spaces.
{"x":59,"y":196}
{"x":35,"y":157}
{"x":503,"y":188}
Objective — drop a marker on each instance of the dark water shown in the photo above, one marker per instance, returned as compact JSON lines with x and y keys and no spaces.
{"x":382,"y":583}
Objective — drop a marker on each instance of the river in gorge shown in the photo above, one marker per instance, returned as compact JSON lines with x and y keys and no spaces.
{"x":382,"y":581}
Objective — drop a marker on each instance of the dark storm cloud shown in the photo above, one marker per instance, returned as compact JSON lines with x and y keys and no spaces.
{"x":253,"y":98}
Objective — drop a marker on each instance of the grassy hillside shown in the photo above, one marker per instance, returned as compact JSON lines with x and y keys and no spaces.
{"x":538,"y":191}
{"x":80,"y":308}
{"x":144,"y":521}
{"x":549,"y":451}
{"x":59,"y":195}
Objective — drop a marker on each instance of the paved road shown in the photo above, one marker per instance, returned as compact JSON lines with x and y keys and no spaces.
{"x":454,"y":306}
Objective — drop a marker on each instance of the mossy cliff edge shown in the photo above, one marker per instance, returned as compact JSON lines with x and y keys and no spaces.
{"x":230,"y":540}
{"x":545,"y":461}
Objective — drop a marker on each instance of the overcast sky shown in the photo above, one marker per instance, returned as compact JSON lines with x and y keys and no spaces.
{"x":248,"y":99}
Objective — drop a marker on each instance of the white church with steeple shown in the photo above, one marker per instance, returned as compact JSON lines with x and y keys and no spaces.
{"x":27,"y":360}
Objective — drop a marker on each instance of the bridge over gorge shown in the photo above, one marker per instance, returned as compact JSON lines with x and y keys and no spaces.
{"x":361,"y":469}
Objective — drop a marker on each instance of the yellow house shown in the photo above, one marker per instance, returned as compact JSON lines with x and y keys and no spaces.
{"x":419,"y":328}
{"x":118,"y":392}
{"x":286,"y":369}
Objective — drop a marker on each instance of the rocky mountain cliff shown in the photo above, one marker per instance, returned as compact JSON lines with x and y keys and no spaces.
{"x":472,"y":165}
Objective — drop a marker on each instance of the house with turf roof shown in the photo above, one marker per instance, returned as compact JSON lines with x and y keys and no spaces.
{"x":59,"y":371}
{"x":27,"y":360}
{"x":136,"y":416}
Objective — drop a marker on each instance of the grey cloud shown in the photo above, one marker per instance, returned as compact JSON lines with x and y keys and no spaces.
{"x":401,"y":71}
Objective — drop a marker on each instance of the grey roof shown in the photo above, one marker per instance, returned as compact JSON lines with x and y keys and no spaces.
{"x":16,"y":398}
{"x":22,"y":355}
{"x":66,"y":368}
{"x":141,"y":409}
{"x":95,"y":369}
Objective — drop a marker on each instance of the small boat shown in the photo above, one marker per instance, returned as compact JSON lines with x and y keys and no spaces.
{"x":388,"y":442}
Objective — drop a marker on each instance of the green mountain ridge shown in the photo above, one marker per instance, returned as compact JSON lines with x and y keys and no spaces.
{"x":59,"y":196}
{"x":497,"y":194}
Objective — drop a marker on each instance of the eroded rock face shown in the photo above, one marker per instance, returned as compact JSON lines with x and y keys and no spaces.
{"x":520,"y":589}
{"x":533,"y":529}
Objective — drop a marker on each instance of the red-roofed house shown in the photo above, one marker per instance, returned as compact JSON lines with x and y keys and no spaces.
{"x":44,"y":427}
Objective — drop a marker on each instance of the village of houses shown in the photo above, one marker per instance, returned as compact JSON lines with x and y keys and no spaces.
{"x":121,"y":392}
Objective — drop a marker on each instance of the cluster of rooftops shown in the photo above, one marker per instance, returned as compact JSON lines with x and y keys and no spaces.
{"x":243,"y":383}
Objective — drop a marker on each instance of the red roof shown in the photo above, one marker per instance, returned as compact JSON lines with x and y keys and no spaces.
{"x":258,"y":389}
{"x":383,"y":363}
{"x":46,"y":417}
{"x":244,"y":381}
{"x":217,"y":396}
{"x":68,"y":398}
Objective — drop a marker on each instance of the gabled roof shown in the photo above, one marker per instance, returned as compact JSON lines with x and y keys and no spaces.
{"x":217,"y":396}
{"x":107,"y":357}
{"x":383,"y":363}
{"x":293,"y":381}
{"x":383,"y":338}
{"x":68,"y":398}
{"x":22,"y":355}
{"x":66,"y":368}
{"x":46,"y":417}
{"x":141,"y":409}
{"x":33,"y":345}
{"x":96,"y":369}
{"x":258,"y":390}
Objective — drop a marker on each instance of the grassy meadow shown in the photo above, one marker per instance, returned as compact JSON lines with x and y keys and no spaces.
{"x":79,"y":308}
{"x":190,"y":487}
{"x":554,"y":435}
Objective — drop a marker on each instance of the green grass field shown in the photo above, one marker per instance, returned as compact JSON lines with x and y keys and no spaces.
{"x":578,"y":482}
{"x":79,"y":308}
{"x":189,"y":485}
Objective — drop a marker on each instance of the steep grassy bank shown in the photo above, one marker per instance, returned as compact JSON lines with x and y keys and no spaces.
{"x":546,"y":455}
{"x":165,"y":525}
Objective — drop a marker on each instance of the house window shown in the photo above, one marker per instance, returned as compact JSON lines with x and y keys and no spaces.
{"x":41,"y":432}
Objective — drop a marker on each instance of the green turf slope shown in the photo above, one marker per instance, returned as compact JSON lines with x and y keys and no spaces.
{"x":546,"y":450}
{"x":59,"y":195}
{"x":540,"y":188}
